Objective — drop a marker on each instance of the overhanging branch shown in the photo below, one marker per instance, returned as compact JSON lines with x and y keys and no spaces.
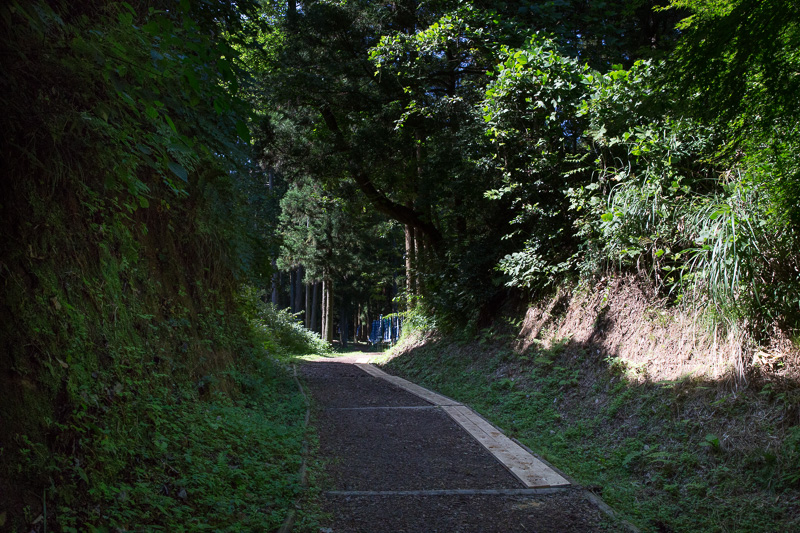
{"x":392,"y":209}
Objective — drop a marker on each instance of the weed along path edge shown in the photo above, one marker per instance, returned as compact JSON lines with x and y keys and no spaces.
{"x":401,"y":458}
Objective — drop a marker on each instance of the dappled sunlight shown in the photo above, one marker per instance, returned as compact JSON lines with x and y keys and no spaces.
{"x":654,"y":341}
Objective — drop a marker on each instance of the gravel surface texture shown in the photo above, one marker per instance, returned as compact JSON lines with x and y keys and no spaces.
{"x":564,"y":512}
{"x":375,"y":436}
{"x":402,"y":449}
{"x":345,"y":385}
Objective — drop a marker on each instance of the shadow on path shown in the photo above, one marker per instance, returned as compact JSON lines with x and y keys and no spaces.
{"x":396,"y":463}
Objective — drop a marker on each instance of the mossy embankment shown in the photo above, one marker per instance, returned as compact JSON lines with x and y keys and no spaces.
{"x":713,"y":451}
{"x":135,"y":394}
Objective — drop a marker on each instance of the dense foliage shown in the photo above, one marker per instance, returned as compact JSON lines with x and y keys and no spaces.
{"x":432,"y":156}
{"x":135,"y":395}
{"x":522,"y":143}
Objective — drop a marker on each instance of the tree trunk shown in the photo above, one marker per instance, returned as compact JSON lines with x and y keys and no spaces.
{"x":343,"y":326}
{"x":275,"y":283}
{"x":291,"y":291}
{"x":410,"y":260}
{"x":278,"y":290}
{"x":356,"y":323}
{"x":307,"y":314}
{"x":298,"y":290}
{"x":315,"y":308}
{"x":329,"y":310}
{"x":323,"y":331}
{"x":419,"y":263}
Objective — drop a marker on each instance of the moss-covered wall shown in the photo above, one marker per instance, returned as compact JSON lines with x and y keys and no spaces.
{"x":96,"y":304}
{"x":119,"y":246}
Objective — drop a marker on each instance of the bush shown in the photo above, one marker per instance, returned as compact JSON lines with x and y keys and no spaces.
{"x":278,"y":330}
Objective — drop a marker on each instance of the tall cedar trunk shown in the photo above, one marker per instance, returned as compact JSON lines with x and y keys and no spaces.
{"x":276,"y":277}
{"x":315,"y":308}
{"x":324,"y":326}
{"x":343,"y":326}
{"x":307,"y":314}
{"x":291,"y":291}
{"x":368,"y":325}
{"x":419,"y":263}
{"x":329,"y":311}
{"x":355,"y":325}
{"x":298,"y":290}
{"x":275,"y":283}
{"x":410,"y":260}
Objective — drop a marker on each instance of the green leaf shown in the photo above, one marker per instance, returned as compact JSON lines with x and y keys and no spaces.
{"x":219,"y":106}
{"x":151,"y":27}
{"x":191,"y":79}
{"x":607,"y":217}
{"x":243,"y":131}
{"x":718,"y":213}
{"x":127,"y":6}
{"x":179,"y":171}
{"x":171,"y":124}
{"x":82,"y":473}
{"x":225,"y":70}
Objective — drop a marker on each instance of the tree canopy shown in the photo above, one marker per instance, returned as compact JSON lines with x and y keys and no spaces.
{"x":522,"y":143}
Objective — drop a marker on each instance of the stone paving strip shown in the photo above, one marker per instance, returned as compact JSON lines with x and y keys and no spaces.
{"x":413,"y":388}
{"x":531,"y":471}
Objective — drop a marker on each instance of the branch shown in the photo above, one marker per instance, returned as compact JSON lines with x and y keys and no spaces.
{"x":399,"y":212}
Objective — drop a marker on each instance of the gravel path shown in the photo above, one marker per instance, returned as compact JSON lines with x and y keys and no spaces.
{"x":396,"y":463}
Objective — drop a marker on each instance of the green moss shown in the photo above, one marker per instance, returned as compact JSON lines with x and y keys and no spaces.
{"x":133,"y":396}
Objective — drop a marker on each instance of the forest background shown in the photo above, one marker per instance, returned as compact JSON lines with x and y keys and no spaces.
{"x":169,"y":167}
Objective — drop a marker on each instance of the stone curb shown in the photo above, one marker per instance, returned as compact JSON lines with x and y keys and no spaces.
{"x":526,"y":467}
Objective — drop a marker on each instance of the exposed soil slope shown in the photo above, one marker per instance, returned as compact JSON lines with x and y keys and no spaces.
{"x":636,"y":402}
{"x":622,"y":318}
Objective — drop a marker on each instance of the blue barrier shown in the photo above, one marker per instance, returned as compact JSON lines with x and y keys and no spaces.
{"x":385,"y":330}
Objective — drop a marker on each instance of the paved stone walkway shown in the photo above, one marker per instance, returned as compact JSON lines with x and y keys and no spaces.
{"x":396,"y":461}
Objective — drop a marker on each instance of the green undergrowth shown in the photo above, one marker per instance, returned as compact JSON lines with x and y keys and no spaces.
{"x":278,"y":330}
{"x":673,"y":456}
{"x":147,"y":442}
{"x":226,"y":463}
{"x":139,"y":392}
